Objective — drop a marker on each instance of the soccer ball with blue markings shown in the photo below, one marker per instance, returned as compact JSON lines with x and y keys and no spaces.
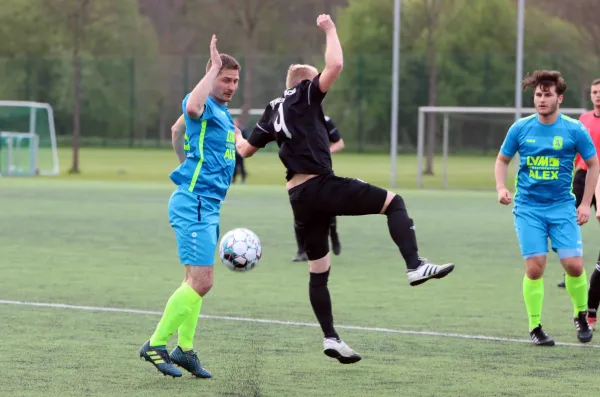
{"x":240,"y":250}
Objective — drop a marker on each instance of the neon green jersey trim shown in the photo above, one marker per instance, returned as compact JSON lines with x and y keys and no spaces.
{"x":186,"y":142}
{"x":201,"y":149}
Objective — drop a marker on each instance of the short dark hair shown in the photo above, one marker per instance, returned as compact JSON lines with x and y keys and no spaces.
{"x":596,"y":82}
{"x":545,"y":79}
{"x":228,"y":63}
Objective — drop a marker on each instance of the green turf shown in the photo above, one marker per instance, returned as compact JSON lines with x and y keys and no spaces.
{"x":109,"y":244}
{"x":151,"y":165}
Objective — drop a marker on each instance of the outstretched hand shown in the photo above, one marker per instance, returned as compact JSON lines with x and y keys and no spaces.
{"x":215,"y":57}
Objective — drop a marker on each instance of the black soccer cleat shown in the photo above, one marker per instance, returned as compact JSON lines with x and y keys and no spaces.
{"x":584,"y":331}
{"x":159,"y":357}
{"x":540,"y":338}
{"x":561,"y":284}
{"x":301,"y":257}
{"x":189,"y":361}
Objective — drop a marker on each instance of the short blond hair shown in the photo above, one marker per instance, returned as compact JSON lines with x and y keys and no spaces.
{"x":298,"y":72}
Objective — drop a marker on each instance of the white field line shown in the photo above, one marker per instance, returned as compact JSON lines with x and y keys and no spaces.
{"x":289,"y":323}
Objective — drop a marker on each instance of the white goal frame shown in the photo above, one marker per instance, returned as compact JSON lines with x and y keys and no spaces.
{"x":446,"y":110}
{"x":31,"y":134}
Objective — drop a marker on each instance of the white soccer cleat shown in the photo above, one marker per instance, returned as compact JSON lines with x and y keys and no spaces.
{"x":339,"y":350}
{"x":427,"y":270}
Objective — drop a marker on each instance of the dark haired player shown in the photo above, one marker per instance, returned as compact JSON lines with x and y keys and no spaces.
{"x":547,"y":143}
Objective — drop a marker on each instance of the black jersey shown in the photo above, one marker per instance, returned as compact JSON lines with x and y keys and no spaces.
{"x":296,"y":121}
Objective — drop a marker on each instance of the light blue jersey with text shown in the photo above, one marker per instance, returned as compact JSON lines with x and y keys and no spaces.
{"x":210,"y":152}
{"x":547,"y":153}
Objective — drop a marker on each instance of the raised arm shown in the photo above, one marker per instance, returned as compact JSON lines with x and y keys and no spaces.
{"x":199,"y":95}
{"x":178,"y":138}
{"x":334,"y":58}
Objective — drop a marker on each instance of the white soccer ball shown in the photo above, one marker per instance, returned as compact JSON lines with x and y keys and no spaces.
{"x":240,"y":250}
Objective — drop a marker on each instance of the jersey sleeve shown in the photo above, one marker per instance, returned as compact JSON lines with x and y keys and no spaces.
{"x":511,"y":142}
{"x":584,"y":144}
{"x":263,"y":131}
{"x":334,"y":134}
{"x":315,"y":96}
{"x":207,"y":113}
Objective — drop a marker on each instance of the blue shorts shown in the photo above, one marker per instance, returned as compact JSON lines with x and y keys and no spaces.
{"x":195,"y":220}
{"x":534,"y":225}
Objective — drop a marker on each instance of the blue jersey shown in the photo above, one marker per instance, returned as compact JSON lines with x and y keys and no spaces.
{"x":209,"y":144}
{"x":547,"y":153}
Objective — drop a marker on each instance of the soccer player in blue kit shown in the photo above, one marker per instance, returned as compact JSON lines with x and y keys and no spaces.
{"x":204,"y":140}
{"x":547,"y":143}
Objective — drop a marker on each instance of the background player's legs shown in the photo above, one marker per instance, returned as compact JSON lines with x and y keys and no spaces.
{"x":243,"y":169}
{"x":594,"y":291}
{"x":300,"y":253}
{"x":594,"y":295}
{"x":336,"y":246}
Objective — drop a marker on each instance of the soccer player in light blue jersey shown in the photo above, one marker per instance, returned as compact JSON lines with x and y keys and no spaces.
{"x":204,"y":141}
{"x":547,"y":143}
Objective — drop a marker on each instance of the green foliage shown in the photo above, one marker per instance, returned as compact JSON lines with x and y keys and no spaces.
{"x":475,"y":47}
{"x":115,"y":44}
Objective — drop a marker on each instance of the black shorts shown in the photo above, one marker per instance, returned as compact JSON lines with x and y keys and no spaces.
{"x":579,"y":187}
{"x":318,"y":200}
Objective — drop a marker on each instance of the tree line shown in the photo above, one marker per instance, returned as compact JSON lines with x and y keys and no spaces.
{"x":120,"y":68}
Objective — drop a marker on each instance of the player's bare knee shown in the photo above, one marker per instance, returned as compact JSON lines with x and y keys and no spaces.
{"x":390,"y":196}
{"x":573,"y":266}
{"x":201,"y":279}
{"x":320,"y":265}
{"x":534,"y":267}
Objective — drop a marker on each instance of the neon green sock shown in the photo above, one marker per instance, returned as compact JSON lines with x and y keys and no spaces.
{"x":178,"y":308}
{"x":533,"y":293}
{"x":578,"y":290}
{"x":187,"y":329}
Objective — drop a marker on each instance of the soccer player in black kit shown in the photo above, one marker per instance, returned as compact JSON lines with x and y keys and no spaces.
{"x":337,"y":144}
{"x":296,"y":122}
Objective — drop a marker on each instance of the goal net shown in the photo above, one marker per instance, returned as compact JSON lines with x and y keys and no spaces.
{"x":457,"y":146}
{"x":27,"y":139}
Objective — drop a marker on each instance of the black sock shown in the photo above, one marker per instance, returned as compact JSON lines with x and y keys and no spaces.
{"x":594,"y":290}
{"x":299,"y":239}
{"x":403,"y":232}
{"x":321,"y":302}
